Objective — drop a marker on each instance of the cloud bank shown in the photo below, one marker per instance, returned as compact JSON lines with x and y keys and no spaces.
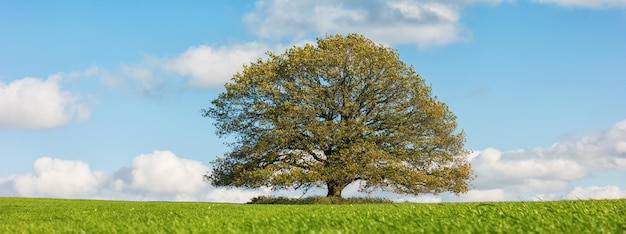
{"x":424,"y":23}
{"x":159,"y":175}
{"x":545,"y":171}
{"x":538,"y":174}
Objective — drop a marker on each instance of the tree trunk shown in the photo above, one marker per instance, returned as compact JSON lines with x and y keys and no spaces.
{"x":334,"y":188}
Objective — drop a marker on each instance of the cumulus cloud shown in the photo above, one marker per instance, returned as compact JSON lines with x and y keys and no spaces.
{"x":425,"y":23}
{"x":162,"y":172}
{"x":496,"y":169}
{"x":161,"y":175}
{"x":57,"y":178}
{"x":214,"y":66}
{"x":594,"y":4}
{"x":39,"y":103}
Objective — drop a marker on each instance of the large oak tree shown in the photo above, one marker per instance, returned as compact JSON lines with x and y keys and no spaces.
{"x":326,"y":115}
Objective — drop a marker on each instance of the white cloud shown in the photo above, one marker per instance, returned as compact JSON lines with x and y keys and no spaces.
{"x":594,"y":4}
{"x":160,"y":175}
{"x":597,"y":192}
{"x":425,"y":23}
{"x":38,"y":103}
{"x":210,"y":67}
{"x":496,"y":169}
{"x":200,"y":66}
{"x":57,"y":178}
{"x":162,"y":172}
{"x":551,"y":170}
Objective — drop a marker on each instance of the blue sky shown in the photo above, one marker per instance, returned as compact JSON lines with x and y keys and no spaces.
{"x":102,"y":99}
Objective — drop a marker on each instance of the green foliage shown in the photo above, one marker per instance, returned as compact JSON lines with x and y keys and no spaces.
{"x":26,"y":215}
{"x":317,"y":200}
{"x":326,"y":115}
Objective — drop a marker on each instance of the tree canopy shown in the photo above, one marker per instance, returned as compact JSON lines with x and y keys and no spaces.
{"x":327,"y":115}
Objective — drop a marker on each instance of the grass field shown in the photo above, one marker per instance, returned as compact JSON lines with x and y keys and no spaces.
{"x":31,"y":215}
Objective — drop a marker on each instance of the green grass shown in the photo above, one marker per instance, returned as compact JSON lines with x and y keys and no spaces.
{"x":30,"y":215}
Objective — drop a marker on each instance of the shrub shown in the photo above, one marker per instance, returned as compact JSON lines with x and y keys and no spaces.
{"x":316,"y":200}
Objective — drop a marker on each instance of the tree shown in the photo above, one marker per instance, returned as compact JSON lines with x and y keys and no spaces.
{"x":330,"y":114}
